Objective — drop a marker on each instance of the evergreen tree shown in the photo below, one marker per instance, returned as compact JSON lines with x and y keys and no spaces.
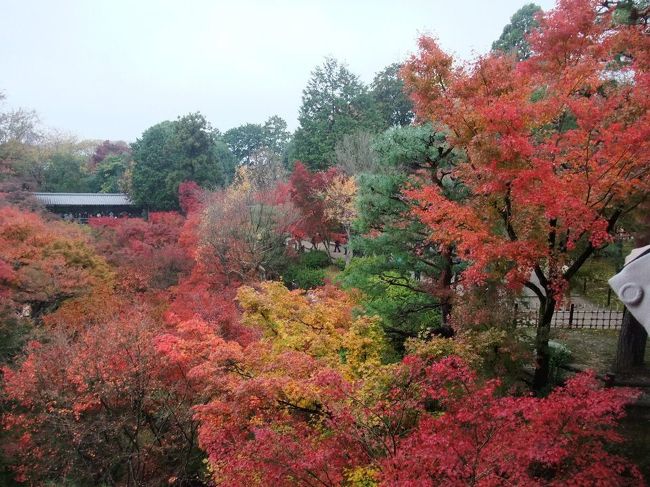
{"x":247,"y":140}
{"x":513,"y":37}
{"x":395,"y":108}
{"x":405,"y":280}
{"x":172,"y":152}
{"x":334,"y":103}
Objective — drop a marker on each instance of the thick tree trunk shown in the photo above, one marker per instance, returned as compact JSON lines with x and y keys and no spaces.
{"x":543,"y":358}
{"x":631,"y":344}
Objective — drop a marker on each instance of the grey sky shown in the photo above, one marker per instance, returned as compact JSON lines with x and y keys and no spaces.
{"x":109,"y":69}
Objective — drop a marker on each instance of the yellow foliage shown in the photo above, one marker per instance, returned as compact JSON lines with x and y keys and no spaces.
{"x":473,"y":347}
{"x":363,"y":477}
{"x":242,"y":182}
{"x":340,"y":200}
{"x":319,"y":323}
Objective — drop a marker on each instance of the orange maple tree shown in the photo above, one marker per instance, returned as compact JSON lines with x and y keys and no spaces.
{"x":98,"y":404}
{"x":556,"y":150}
{"x":43,"y":263}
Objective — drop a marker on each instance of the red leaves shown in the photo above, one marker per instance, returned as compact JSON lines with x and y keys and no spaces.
{"x":305,"y":192}
{"x":277,"y":410}
{"x":297,"y":405}
{"x":43,"y":263}
{"x":90,"y":400}
{"x":189,"y":196}
{"x":484,"y":439}
{"x":146,"y":253}
{"x":427,"y":85}
{"x":294,"y":419}
{"x":555,"y":146}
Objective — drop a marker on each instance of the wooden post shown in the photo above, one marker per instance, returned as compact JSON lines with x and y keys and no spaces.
{"x":571,"y":314}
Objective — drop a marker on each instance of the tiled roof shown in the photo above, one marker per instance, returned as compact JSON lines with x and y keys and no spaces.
{"x":84,"y":199}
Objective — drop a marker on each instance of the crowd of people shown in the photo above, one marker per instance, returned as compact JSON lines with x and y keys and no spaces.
{"x":83,"y":216}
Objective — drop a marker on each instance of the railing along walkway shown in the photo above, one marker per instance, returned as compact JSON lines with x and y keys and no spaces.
{"x":573,"y":316}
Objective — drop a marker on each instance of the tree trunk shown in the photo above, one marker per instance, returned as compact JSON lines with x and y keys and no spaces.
{"x":631,"y":344}
{"x":445,"y":311}
{"x":543,"y":357}
{"x":326,"y":243}
{"x":444,"y":283}
{"x":348,"y":256}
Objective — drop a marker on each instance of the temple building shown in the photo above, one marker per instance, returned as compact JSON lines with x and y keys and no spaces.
{"x":81,"y":206}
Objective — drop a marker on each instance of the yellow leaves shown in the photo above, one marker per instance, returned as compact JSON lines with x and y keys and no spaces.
{"x":239,"y":193}
{"x":243,"y":180}
{"x":319,"y":323}
{"x":363,"y":477}
{"x":364,"y":346}
{"x":473,"y":347}
{"x":301,"y":395}
{"x":79,"y":254}
{"x":339,"y":199}
{"x":437,"y":348}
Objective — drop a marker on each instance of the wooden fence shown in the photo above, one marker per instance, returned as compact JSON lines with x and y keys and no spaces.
{"x":593,"y":318}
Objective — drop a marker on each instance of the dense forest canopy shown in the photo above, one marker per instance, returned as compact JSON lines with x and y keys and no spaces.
{"x":338,"y":305}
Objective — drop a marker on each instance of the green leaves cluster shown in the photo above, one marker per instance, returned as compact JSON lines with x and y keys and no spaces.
{"x":393,"y":104}
{"x":336,"y":104}
{"x":248,"y":140}
{"x":399,"y":267}
{"x":513,"y":37}
{"x":308,"y":272}
{"x":169,"y":153}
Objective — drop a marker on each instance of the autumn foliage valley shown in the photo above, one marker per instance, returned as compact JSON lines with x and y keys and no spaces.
{"x":334,"y":306}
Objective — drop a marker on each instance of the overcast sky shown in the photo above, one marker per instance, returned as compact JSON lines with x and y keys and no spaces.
{"x":109,"y":69}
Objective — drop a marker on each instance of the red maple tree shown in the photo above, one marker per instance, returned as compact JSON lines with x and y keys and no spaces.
{"x":298,"y":406}
{"x":146,"y":253}
{"x":555,"y":150}
{"x":98,"y":404}
{"x":306,"y":189}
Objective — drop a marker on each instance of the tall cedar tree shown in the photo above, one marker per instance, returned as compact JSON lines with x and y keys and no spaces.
{"x":394,"y":106}
{"x":334,"y":103}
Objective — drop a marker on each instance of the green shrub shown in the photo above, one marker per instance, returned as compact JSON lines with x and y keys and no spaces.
{"x":339,"y":263}
{"x":300,"y":276}
{"x":315,"y":259}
